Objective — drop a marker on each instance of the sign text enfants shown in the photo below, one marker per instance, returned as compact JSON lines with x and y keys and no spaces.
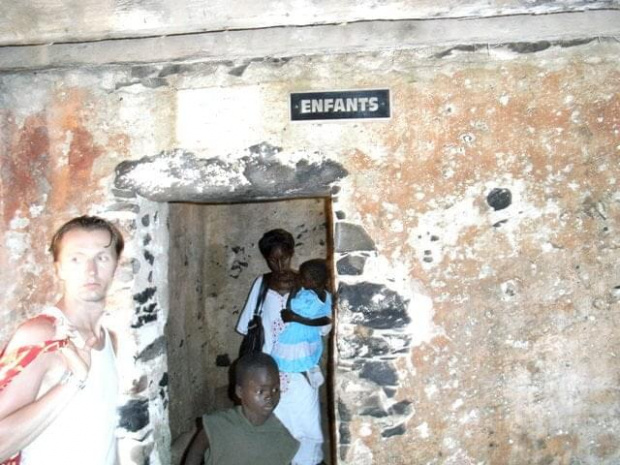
{"x":338,"y":105}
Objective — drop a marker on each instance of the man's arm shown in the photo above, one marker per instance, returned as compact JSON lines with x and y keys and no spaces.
{"x":197,"y":448}
{"x":23,"y":416}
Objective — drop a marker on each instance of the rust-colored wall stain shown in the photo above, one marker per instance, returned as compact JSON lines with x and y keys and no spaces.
{"x":26,"y":163}
{"x":48,"y":166}
{"x":73,"y":180}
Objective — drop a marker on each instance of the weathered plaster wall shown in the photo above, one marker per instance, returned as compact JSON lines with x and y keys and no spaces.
{"x":476,"y":231}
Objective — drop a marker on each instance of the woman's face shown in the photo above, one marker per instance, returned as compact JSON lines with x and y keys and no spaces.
{"x":279,"y":260}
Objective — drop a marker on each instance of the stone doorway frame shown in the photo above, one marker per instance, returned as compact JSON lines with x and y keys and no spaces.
{"x":154,"y":182}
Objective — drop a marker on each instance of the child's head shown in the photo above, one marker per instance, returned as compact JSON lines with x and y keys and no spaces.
{"x":257,"y":385}
{"x":314,"y":274}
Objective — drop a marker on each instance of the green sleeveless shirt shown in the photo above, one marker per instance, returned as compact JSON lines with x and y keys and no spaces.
{"x":235,"y":441}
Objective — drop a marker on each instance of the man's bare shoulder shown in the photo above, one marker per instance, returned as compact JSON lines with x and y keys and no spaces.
{"x":33,"y":331}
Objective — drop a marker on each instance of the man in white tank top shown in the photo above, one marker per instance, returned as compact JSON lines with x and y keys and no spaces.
{"x":61,"y":408}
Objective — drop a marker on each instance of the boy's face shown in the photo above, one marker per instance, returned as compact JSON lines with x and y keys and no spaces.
{"x":259,"y":394}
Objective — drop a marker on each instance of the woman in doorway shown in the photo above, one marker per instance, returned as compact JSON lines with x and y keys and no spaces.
{"x":299,"y":408}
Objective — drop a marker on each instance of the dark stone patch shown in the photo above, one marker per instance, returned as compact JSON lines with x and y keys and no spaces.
{"x":268,"y":178}
{"x":142,"y":320}
{"x":381,"y":373}
{"x":144,"y":296}
{"x":222,"y":360}
{"x":344,"y":414}
{"x":381,"y":307}
{"x":140,"y":72}
{"x":238,"y":71}
{"x":428,"y":259}
{"x":154,"y":82}
{"x":351,"y":265}
{"x":434,"y":238}
{"x":134,"y":415}
{"x":236,"y":268}
{"x":528,"y":47}
{"x":574,"y":42}
{"x":149,"y":82}
{"x":279,"y":61}
{"x":163,"y":382}
{"x":264,"y":149}
{"x":372,"y":407}
{"x":170,"y":70}
{"x":400,"y":408}
{"x":345,"y":433}
{"x":350,"y":237}
{"x":124,"y":207}
{"x":460,"y":48}
{"x":377,"y":347}
{"x":148,"y":256}
{"x":153,"y":350}
{"x":340,"y":215}
{"x":150,"y":308}
{"x":123,"y":194}
{"x":146,"y":220}
{"x":390,"y":392}
{"x":147,"y":240}
{"x":395,"y":431}
{"x":499,"y":223}
{"x":499,"y":198}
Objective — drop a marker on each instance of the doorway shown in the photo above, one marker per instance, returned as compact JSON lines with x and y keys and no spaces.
{"x":213,"y":261}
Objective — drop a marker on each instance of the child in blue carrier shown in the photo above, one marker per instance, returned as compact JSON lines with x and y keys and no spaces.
{"x":299,"y":346}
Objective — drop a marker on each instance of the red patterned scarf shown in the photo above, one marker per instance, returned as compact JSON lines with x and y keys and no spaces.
{"x":13,"y":363}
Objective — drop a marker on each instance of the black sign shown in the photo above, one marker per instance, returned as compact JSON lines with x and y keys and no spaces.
{"x":354,"y":104}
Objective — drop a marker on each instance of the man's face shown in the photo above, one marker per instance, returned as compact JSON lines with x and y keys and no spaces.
{"x":86,"y":264}
{"x":259,"y":394}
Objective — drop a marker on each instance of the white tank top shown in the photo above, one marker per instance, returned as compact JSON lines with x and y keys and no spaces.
{"x":84,"y":432}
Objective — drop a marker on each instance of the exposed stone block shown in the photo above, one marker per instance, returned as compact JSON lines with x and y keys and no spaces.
{"x":499,"y":198}
{"x":134,"y":415}
{"x":395,"y":431}
{"x":381,"y":307}
{"x":351,"y":265}
{"x":381,"y":373}
{"x":153,"y":350}
{"x":256,"y":175}
{"x":350,"y":237}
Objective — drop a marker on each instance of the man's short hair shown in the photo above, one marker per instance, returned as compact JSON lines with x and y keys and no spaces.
{"x":249,"y":363}
{"x":276,"y":238}
{"x":88,"y":223}
{"x":316,"y":270}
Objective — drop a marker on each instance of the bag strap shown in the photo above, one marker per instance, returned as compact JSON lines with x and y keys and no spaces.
{"x":291,"y":294}
{"x":261,"y":296}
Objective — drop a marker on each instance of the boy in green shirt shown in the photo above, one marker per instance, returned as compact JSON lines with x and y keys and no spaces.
{"x":250,"y":433}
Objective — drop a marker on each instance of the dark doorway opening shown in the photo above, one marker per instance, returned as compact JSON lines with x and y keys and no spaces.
{"x":214,"y":259}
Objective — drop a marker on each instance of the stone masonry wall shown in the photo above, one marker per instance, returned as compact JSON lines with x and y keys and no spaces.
{"x":475,"y":231}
